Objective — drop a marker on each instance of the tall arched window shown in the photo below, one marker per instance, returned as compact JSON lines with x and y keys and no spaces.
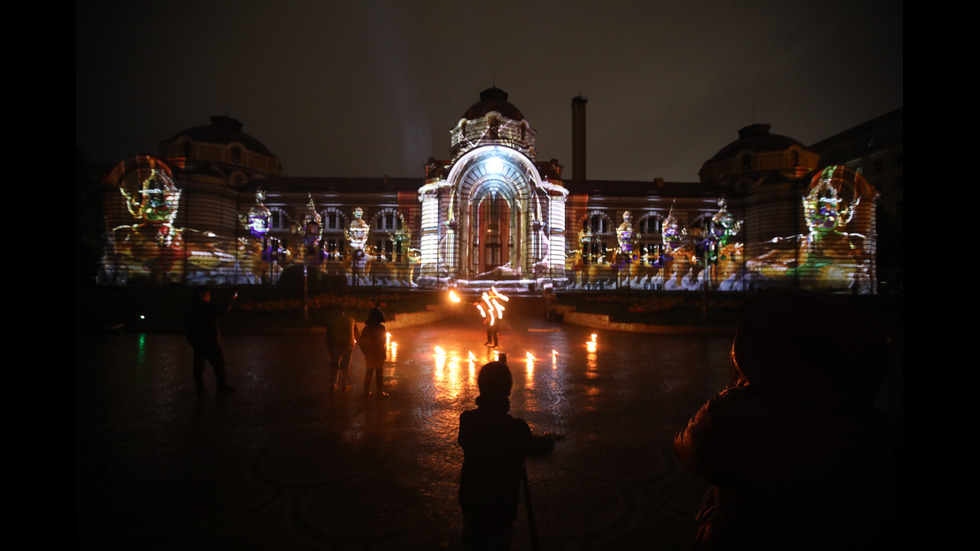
{"x":597,"y":238}
{"x":388,"y":225}
{"x":650,"y":243}
{"x":334,"y":226}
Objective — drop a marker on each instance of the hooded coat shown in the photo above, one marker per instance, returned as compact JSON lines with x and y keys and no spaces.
{"x":795,"y":452}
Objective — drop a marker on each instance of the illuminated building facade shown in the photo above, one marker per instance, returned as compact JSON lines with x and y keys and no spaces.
{"x":215,"y":208}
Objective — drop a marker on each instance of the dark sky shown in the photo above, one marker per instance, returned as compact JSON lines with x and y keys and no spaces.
{"x":368,"y":88}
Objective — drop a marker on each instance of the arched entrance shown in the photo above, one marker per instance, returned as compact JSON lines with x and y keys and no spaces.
{"x":493,"y":232}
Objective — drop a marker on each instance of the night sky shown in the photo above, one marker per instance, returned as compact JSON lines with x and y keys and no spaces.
{"x":368,"y":88}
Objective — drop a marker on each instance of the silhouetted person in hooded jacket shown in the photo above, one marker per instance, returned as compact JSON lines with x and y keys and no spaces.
{"x":796,"y":454}
{"x":494,"y":447}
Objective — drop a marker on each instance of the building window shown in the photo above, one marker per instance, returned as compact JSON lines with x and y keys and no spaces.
{"x":333,"y":220}
{"x":596,"y":223}
{"x":278,"y":219}
{"x":649,"y":246}
{"x":389,"y":220}
{"x":597,"y":239}
{"x":334,"y":224}
{"x":236,"y":154}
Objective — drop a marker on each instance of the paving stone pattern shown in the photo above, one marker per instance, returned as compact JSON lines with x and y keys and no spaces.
{"x":283,"y":463}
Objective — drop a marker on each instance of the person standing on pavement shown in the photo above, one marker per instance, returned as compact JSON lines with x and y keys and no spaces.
{"x":493,"y":331}
{"x":204,"y":336}
{"x":494,"y":447}
{"x":373,"y":345}
{"x":342,"y":336}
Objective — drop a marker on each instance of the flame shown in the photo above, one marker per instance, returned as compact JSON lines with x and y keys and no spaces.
{"x":453,"y":297}
{"x":440,"y":351}
{"x":494,"y":309}
{"x":529,"y":357}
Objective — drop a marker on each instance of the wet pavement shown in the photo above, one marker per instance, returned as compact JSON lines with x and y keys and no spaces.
{"x":283,"y":463}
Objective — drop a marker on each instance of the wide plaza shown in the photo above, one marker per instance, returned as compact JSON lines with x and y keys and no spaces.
{"x":284,"y":463}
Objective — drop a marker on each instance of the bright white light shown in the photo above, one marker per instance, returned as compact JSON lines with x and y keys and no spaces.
{"x":495,"y":165}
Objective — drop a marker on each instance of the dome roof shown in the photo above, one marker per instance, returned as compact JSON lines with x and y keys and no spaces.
{"x":755,"y":137}
{"x":222,"y":130}
{"x":493,"y":99}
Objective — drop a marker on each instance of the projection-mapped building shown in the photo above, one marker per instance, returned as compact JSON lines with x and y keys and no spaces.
{"x":214,"y":208}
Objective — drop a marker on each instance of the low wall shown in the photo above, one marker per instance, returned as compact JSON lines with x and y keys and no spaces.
{"x":602,"y":321}
{"x":411,"y":319}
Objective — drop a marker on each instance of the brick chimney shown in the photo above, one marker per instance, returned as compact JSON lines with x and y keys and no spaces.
{"x":578,"y":137}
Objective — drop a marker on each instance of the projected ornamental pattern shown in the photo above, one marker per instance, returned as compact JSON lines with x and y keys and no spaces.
{"x":491,"y":216}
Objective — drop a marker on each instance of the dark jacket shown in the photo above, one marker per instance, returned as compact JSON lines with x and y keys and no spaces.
{"x":494,"y":447}
{"x":796,"y":455}
{"x":372,"y":344}
{"x":201,"y":322}
{"x":342,"y":332}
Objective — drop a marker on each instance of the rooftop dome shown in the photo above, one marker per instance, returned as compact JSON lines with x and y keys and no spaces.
{"x":755,"y":137}
{"x":222,"y":130}
{"x":493,"y":99}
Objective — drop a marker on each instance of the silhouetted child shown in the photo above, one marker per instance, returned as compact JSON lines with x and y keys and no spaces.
{"x":494,"y":447}
{"x":372,"y":343}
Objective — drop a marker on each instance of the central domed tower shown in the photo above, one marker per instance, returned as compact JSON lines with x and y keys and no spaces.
{"x":492,"y":214}
{"x":492,"y":120}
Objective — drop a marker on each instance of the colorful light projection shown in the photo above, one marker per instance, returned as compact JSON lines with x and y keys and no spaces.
{"x":827,"y":258}
{"x":625,"y":235}
{"x":153,"y":249}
